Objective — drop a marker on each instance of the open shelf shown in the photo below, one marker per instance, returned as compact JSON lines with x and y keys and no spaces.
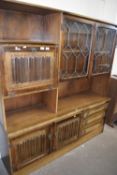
{"x":20,"y":42}
{"x":78,"y":101}
{"x":22,"y":119}
{"x":20,"y":122}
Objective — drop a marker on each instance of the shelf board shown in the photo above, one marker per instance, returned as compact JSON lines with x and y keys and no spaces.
{"x":31,"y":118}
{"x":29,"y":42}
{"x":24,"y":121}
{"x":100,"y":73}
{"x":73,"y":76}
{"x":79,"y":101}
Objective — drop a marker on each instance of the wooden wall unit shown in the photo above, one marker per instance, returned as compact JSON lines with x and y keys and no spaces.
{"x":55,"y":71}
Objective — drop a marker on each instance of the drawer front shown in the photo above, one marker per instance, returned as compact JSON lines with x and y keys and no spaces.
{"x":92,"y":119}
{"x":95,"y":117}
{"x":67,"y":131}
{"x":97,"y":126}
{"x":28,"y":148}
{"x":98,"y":108}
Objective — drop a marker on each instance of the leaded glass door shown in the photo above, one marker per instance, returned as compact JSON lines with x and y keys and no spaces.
{"x":103,"y":50}
{"x":76,"y":45}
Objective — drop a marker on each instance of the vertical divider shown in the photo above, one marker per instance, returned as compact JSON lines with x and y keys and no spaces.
{"x":50,"y":99}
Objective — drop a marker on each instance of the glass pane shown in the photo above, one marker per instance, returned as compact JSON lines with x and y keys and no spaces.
{"x":103,"y":50}
{"x":76,"y":48}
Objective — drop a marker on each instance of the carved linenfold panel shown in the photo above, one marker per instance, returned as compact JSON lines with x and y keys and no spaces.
{"x":67,"y":131}
{"x":75,"y":48}
{"x":103,"y":50}
{"x":29,"y":66}
{"x":28,"y":69}
{"x":29,"y":148}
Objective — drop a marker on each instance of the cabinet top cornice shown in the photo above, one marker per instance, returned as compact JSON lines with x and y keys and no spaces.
{"x":42,"y":10}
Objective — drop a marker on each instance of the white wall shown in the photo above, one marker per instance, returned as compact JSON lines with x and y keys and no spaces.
{"x":100,"y":9}
{"x":114,"y":68}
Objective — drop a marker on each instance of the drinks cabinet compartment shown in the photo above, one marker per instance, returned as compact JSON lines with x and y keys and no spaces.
{"x":29,"y":66}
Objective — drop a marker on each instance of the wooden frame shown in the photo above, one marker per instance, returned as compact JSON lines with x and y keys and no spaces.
{"x":83,"y":22}
{"x":10,"y":71}
{"x":110,"y":28}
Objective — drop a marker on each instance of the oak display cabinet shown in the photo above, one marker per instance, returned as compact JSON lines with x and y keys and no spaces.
{"x":54,"y":76}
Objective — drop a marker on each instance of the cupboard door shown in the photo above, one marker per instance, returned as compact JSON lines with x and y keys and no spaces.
{"x":67,"y":131}
{"x":29,"y":148}
{"x":76,"y":45}
{"x":103,"y":51}
{"x":31,"y":67}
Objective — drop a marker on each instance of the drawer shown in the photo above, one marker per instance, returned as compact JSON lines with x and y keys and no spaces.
{"x":67,"y":131}
{"x":29,"y":148}
{"x":97,"y":126}
{"x":97,"y":108}
{"x":95,"y":117}
{"x":92,"y":119}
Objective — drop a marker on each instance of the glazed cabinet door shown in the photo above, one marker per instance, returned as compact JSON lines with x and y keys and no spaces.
{"x":103,"y":49}
{"x":67,"y":131}
{"x":29,"y":148}
{"x":76,"y":46}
